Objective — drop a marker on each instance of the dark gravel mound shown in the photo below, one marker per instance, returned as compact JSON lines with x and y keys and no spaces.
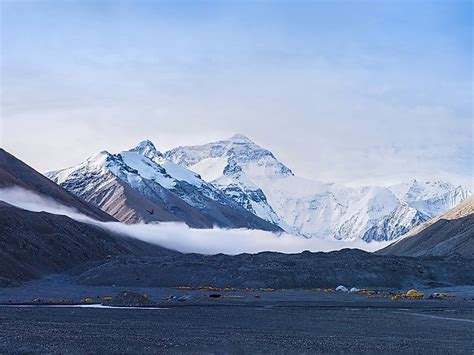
{"x":37,"y":243}
{"x":130,"y":299}
{"x":15,"y":173}
{"x":276,"y":270}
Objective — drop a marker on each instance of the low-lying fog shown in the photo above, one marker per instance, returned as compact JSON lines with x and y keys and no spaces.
{"x":178,"y":236}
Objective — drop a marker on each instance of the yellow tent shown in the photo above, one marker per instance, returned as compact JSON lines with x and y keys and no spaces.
{"x":414,"y":294}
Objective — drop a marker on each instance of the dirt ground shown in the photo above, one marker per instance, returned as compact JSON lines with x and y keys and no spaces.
{"x":278,"y":321}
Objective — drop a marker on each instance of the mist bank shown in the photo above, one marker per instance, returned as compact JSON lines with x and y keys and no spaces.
{"x":178,"y":236}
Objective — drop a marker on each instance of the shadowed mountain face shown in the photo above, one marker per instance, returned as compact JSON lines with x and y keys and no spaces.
{"x":37,"y":243}
{"x":15,"y":173}
{"x":451,"y":233}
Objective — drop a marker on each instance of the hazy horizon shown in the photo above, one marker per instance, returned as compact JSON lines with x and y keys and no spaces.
{"x":352,"y":92}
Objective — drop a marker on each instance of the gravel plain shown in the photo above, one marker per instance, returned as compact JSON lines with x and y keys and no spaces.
{"x":237,"y":329}
{"x":283,"y":321}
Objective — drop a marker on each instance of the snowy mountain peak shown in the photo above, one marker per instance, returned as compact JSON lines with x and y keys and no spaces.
{"x":238,"y":137}
{"x":146,"y":144}
{"x":147,"y":148}
{"x":238,"y":150}
{"x":421,"y":190}
{"x":98,"y":158}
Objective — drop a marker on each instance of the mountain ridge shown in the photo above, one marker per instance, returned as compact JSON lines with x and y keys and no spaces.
{"x":236,"y":183}
{"x":151,"y":188}
{"x":311,"y":208}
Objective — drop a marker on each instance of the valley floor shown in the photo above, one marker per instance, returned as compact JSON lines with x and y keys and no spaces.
{"x":237,"y":329}
{"x":277,"y":322}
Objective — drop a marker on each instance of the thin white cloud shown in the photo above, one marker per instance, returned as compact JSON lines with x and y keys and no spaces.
{"x":179,"y":237}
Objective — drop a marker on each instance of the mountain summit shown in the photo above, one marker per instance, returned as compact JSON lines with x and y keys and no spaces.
{"x":147,"y":148}
{"x":237,"y":151}
{"x":229,"y":165}
{"x":238,"y":137}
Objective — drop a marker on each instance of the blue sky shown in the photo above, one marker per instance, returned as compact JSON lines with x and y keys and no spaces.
{"x":349,"y":91}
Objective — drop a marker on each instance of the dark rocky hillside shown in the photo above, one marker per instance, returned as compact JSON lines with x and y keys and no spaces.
{"x":350,"y":267}
{"x":36,"y":243}
{"x":15,"y":173}
{"x":33,"y":244}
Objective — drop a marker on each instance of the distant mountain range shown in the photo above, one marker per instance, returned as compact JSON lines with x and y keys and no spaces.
{"x":235,"y":183}
{"x":255,"y":178}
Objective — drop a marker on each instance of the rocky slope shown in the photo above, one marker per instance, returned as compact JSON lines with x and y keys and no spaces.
{"x":304,"y":270}
{"x":15,"y":173}
{"x":451,"y":233}
{"x":141,"y":185}
{"x":255,"y":178}
{"x":36,"y":243}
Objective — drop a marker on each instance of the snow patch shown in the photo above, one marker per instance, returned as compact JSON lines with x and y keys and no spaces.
{"x":210,"y":169}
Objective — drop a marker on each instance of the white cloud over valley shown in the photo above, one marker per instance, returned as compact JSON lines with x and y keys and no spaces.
{"x":178,"y":236}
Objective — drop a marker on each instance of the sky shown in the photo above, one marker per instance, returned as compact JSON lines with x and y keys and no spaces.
{"x":356,"y":92}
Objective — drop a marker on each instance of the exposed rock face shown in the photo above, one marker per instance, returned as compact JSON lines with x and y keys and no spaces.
{"x":36,"y":243}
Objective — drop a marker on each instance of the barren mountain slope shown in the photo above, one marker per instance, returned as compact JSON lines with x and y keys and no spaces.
{"x":451,"y":233}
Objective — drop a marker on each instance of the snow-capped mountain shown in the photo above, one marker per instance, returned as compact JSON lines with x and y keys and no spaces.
{"x":256,"y":179}
{"x":141,"y":185}
{"x":398,"y":222}
{"x":238,"y":149}
{"x":431,"y":198}
{"x":222,"y":163}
